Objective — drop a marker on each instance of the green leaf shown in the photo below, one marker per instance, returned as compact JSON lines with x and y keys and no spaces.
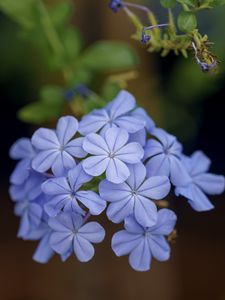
{"x":60,"y":13}
{"x":48,"y":108}
{"x":21,"y":11}
{"x":109,"y":56}
{"x":110,"y":89}
{"x":218,"y":2}
{"x":168,"y":3}
{"x":186,"y":21}
{"x":192,"y":3}
{"x":72,"y":42}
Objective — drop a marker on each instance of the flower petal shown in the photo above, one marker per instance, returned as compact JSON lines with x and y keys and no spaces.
{"x":117,"y":171}
{"x":164,"y":137}
{"x":116,"y":138}
{"x":140,"y":257}
{"x":124,"y":242}
{"x":65,"y":222}
{"x":178,"y":173}
{"x":93,"y":122}
{"x":21,"y":172}
{"x":44,"y":160}
{"x":95,"y":144}
{"x":199,"y":163}
{"x":138,"y":137}
{"x":123,"y":103}
{"x":142,"y":114}
{"x":112,"y":192}
{"x":131,"y":124}
{"x":210,"y":183}
{"x":132,"y":226}
{"x":66,"y":129}
{"x":145,"y":211}
{"x":63,"y":163}
{"x":155,"y":187}
{"x":158,"y":166}
{"x":118,"y":211}
{"x":77,"y":177}
{"x":131,"y":153}
{"x":83,"y":248}
{"x":44,"y":252}
{"x":93,"y":232}
{"x":165,"y":223}
{"x":56,"y":204}
{"x":92,"y":201}
{"x":75,"y":148}
{"x":137,"y":175}
{"x":61,"y":242}
{"x":22,"y":148}
{"x":95,"y":165}
{"x":56,"y":186}
{"x":45,"y":139}
{"x":153,"y":148}
{"x":196,"y":198}
{"x":160,"y":248}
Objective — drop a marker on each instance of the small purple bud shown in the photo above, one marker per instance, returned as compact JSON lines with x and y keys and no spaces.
{"x":145,"y":38}
{"x":115,"y":5}
{"x":68,"y":95}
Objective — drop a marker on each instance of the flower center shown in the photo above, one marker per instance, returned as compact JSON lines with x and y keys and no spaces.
{"x":61,"y":148}
{"x":134,"y":193}
{"x":111,"y":154}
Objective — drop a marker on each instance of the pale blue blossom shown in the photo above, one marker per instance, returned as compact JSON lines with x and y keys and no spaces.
{"x":143,"y":243}
{"x":111,"y":153}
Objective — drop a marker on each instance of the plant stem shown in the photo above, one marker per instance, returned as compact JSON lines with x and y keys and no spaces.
{"x":52,"y":36}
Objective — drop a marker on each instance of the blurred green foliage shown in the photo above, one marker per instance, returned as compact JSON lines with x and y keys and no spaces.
{"x":61,"y":48}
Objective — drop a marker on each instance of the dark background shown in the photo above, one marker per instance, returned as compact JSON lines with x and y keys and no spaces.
{"x":196,"y":268}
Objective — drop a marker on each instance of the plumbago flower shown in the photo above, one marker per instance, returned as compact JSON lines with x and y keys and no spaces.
{"x":111,"y":153}
{"x":69,"y":235}
{"x":65,"y":193}
{"x":56,"y":149}
{"x":116,"y":114}
{"x":135,"y":196}
{"x":122,"y":160}
{"x":165,"y":157}
{"x":143,"y":243}
{"x":201,"y":182}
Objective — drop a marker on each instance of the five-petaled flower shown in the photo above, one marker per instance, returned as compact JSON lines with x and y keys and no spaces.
{"x":116,"y":114}
{"x":111,"y":154}
{"x":65,"y":193}
{"x":69,"y":235}
{"x":165,"y":153}
{"x":135,"y":196}
{"x":201,"y":183}
{"x":56,"y":149}
{"x":141,"y":243}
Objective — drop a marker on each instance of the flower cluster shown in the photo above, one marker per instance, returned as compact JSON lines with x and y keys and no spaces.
{"x":115,"y":159}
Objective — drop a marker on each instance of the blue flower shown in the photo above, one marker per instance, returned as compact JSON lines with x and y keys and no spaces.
{"x":135,"y":196}
{"x":65,"y":193}
{"x":115,"y":5}
{"x":141,"y":135}
{"x":21,"y":150}
{"x":111,"y":154}
{"x":165,"y":153}
{"x":141,"y":244}
{"x":56,"y":149}
{"x":71,"y":235}
{"x":115,"y":114}
{"x":201,"y":183}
